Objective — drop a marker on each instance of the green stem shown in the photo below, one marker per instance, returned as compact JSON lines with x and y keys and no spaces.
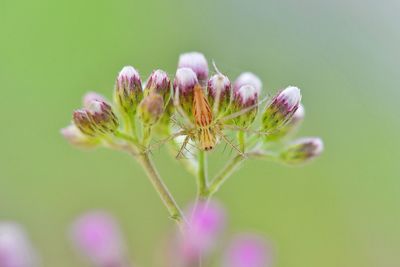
{"x":146,"y":135}
{"x":202,"y":189}
{"x":242,"y":140}
{"x":162,"y":190}
{"x":224,"y":174}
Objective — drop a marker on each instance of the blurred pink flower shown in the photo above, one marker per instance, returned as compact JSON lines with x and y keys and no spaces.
{"x":247,"y":250}
{"x":96,"y":235}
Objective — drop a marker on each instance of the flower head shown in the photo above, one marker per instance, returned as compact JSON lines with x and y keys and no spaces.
{"x":247,"y":250}
{"x":247,"y":78}
{"x":159,"y":83}
{"x":245,"y":99}
{"x":128,"y":90}
{"x":15,"y":247}
{"x":302,"y":150}
{"x":290,"y":128}
{"x":281,"y":109}
{"x":184,"y":83}
{"x":75,"y":137}
{"x":90,"y":96}
{"x":96,"y":235}
{"x":197,"y":62}
{"x":151,"y":108}
{"x":219,"y":89}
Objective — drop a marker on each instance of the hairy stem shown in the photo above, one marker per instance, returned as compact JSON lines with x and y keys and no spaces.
{"x":202,"y":189}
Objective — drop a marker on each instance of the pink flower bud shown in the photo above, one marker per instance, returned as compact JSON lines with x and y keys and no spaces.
{"x":281,"y":109}
{"x":206,"y":222}
{"x":246,"y":96}
{"x":128,"y":90}
{"x":302,"y":150}
{"x":75,"y":137}
{"x":90,"y":96}
{"x":15,"y":247}
{"x":96,"y":235}
{"x":247,"y":250}
{"x":219,"y":87}
{"x":159,"y":82}
{"x":185,"y":81}
{"x":247,"y":78}
{"x":197,"y":62}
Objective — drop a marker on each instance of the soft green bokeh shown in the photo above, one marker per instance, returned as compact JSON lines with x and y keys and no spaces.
{"x":342,"y":210}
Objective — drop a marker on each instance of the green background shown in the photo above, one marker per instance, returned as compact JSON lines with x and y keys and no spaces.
{"x":342,"y":210}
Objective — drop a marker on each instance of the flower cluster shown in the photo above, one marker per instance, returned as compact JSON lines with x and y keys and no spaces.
{"x":97,"y":238}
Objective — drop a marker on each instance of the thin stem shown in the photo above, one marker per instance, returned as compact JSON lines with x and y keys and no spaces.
{"x":242,"y":140}
{"x":224,"y":174}
{"x":202,"y":175}
{"x":146,"y":135}
{"x":162,"y":190}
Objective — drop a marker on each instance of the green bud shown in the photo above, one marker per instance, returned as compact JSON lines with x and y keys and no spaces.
{"x":302,"y":150}
{"x":151,"y":109}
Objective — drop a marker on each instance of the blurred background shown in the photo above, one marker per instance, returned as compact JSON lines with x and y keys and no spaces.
{"x":342,"y":210}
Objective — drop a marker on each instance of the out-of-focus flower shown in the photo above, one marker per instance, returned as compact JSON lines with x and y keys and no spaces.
{"x":15,"y":247}
{"x":247,"y":250}
{"x":96,"y":236}
{"x":151,"y":108}
{"x":128,"y":91}
{"x":75,"y":137}
{"x":197,"y":62}
{"x":281,"y":109}
{"x":302,"y":150}
{"x":247,"y":78}
{"x":219,"y":89}
{"x":90,"y":96}
{"x":200,"y":237}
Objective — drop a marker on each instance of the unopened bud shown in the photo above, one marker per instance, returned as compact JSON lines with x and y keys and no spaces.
{"x":281,"y":109}
{"x":97,"y":119}
{"x":219,"y":89}
{"x":302,"y":150}
{"x":128,"y":91}
{"x":245,"y":100}
{"x":75,"y":137}
{"x":159,"y":83}
{"x":15,"y":247}
{"x":290,"y":128}
{"x":90,"y":96}
{"x":197,"y":62}
{"x":184,"y":83}
{"x":247,"y":78}
{"x":151,"y":109}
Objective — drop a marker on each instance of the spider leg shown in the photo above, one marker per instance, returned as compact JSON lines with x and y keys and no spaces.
{"x":229,"y":142}
{"x":163,"y":141}
{"x":238,"y":128}
{"x":243,"y":111}
{"x":179,"y":109}
{"x":183,"y":147}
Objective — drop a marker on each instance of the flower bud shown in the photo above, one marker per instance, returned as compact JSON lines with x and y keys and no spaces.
{"x":302,"y":150}
{"x":245,"y":97}
{"x":247,"y":250}
{"x":15,"y":247}
{"x":290,"y":128}
{"x":184,"y":83}
{"x":96,"y":235}
{"x":281,"y":109}
{"x":219,"y":89}
{"x":128,"y":91}
{"x":197,"y":62}
{"x":90,"y":96}
{"x":151,"y":109}
{"x":75,"y":137}
{"x":159,"y":83}
{"x":247,"y":78}
{"x":97,"y":119}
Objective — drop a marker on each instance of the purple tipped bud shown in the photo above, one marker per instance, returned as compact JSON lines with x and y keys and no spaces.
{"x":197,"y":62}
{"x":184,"y":83}
{"x":219,"y":89}
{"x":159,"y":83}
{"x":96,"y":235}
{"x":75,"y":137}
{"x":206,"y":223}
{"x":247,"y":78}
{"x":290,"y":128}
{"x":90,"y":96}
{"x":151,"y":109}
{"x":15,"y":247}
{"x":281,"y":109}
{"x":248,"y":251}
{"x":97,"y":119}
{"x":302,"y":150}
{"x":243,"y":99}
{"x":128,"y":90}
